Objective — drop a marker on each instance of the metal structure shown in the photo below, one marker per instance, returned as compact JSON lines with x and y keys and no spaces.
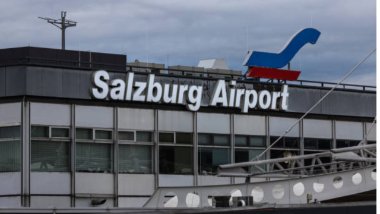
{"x":351,"y":170}
{"x":62,"y":24}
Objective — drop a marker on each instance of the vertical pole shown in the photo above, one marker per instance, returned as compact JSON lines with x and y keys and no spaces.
{"x":63,"y":16}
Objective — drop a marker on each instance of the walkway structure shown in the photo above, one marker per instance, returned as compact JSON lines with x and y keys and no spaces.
{"x":291,"y":180}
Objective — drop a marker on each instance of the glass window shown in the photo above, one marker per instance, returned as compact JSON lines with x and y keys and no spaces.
{"x":346,"y":143}
{"x":257,"y":141}
{"x":291,"y":142}
{"x":144,"y":136}
{"x":40,"y":131}
{"x":9,"y":132}
{"x":103,"y":135}
{"x":279,"y":144}
{"x":60,"y":132}
{"x":166,"y":137}
{"x":135,"y":159}
{"x":10,"y":157}
{"x":221,"y":140}
{"x":84,"y":134}
{"x":204,"y":139}
{"x":244,"y":155}
{"x":241,"y":140}
{"x":210,"y":158}
{"x":127,"y":135}
{"x":50,"y":156}
{"x":371,"y":142}
{"x":310,"y":143}
{"x":176,"y":160}
{"x":184,"y":138}
{"x":324,"y":144}
{"x":94,"y":157}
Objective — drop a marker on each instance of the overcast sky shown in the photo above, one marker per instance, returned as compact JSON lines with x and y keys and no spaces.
{"x":181,"y":32}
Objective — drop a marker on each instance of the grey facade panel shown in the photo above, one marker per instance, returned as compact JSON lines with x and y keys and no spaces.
{"x":15,"y":81}
{"x":2,"y":81}
{"x":345,"y":103}
{"x":76,"y":84}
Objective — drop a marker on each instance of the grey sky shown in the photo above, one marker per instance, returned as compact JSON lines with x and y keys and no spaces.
{"x":183,"y":32}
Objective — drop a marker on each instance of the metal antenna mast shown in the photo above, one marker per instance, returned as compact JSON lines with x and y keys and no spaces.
{"x":62,"y":24}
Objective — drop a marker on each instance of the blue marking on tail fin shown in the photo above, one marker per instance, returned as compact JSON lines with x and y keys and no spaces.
{"x":279,"y":60}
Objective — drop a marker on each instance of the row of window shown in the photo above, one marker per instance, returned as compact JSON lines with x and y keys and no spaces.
{"x":51,"y":146}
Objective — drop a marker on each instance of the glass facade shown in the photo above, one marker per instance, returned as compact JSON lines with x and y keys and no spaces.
{"x":136,"y":159}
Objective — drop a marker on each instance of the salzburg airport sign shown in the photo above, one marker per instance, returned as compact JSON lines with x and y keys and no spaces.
{"x":225,"y":94}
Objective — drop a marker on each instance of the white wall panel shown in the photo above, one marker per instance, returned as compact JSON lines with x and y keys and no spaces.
{"x":132,"y":201}
{"x":349,"y":130}
{"x":175,"y":180}
{"x":371,"y":134}
{"x":94,"y":116}
{"x":50,"y":114}
{"x":10,"y":202}
{"x":175,"y":121}
{"x":136,"y":184}
{"x":10,"y":183}
{"x":317,"y":128}
{"x":249,"y":125}
{"x":278,"y":125}
{"x":212,"y":180}
{"x":50,"y":201}
{"x":10,"y":114}
{"x":213,"y":123}
{"x":140,"y":119}
{"x":94,"y":183}
{"x":50,"y":183}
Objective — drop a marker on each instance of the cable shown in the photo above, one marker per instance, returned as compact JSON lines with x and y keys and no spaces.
{"x":315,"y":105}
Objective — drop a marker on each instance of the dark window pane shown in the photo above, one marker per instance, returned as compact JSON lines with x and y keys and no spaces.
{"x":371,"y":142}
{"x":10,"y":158}
{"x":210,"y":158}
{"x":84,"y":134}
{"x":279,"y":144}
{"x":310,"y":143}
{"x":354,"y":142}
{"x":176,"y":160}
{"x":94,"y":157}
{"x":103,"y":135}
{"x":257,"y":141}
{"x":166,"y":137}
{"x":291,"y":142}
{"x":142,"y":136}
{"x":241,"y":140}
{"x":40,"y":131}
{"x":60,"y":132}
{"x":135,"y":159}
{"x":204,"y":139}
{"x":50,"y":156}
{"x":221,"y":140}
{"x":184,"y":138}
{"x":342,"y":143}
{"x":324,"y":144}
{"x":244,"y":155}
{"x":126,"y":135}
{"x":10,"y":132}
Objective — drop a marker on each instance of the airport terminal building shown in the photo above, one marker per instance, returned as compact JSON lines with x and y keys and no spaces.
{"x":78,"y":128}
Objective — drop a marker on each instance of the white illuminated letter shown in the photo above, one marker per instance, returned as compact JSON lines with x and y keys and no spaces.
{"x":173,"y":90}
{"x":154,"y":90}
{"x":138,"y":95}
{"x":128,"y":93}
{"x":275,"y":96}
{"x":117,"y":90}
{"x":181,"y":93}
{"x":220,"y":94}
{"x":100,"y":79}
{"x":250,"y":100}
{"x":264,"y":99}
{"x":284,"y":97}
{"x":194,"y":98}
